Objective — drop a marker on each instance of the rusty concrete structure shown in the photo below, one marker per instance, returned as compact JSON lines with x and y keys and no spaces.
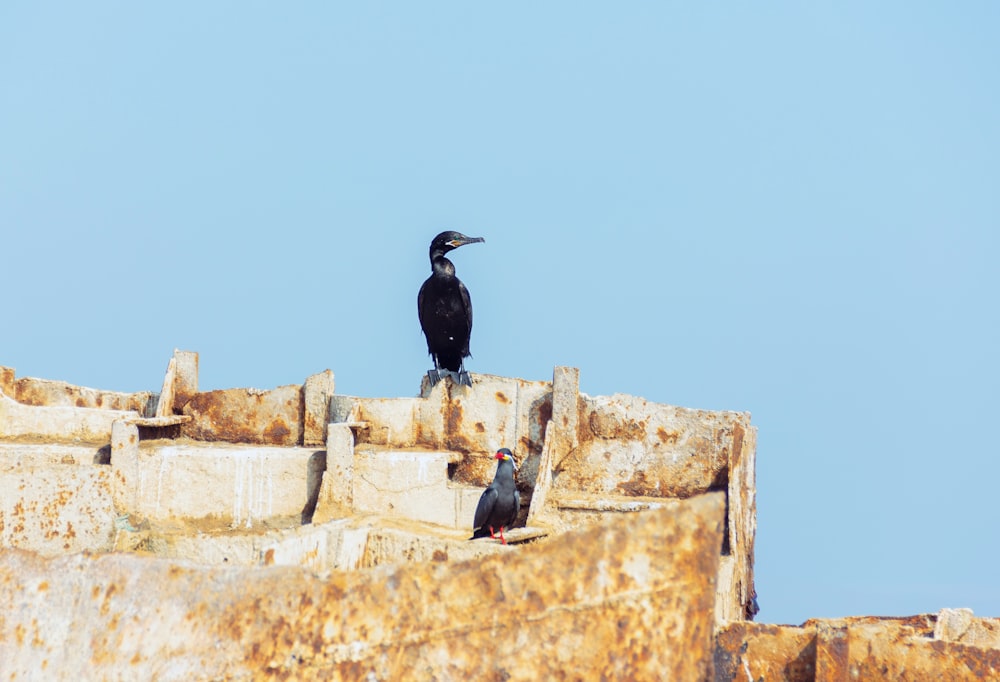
{"x":951,"y":645}
{"x":297,"y":533}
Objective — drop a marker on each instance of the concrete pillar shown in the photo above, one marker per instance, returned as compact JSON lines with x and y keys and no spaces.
{"x":186,"y":378}
{"x":565,"y":413}
{"x":180,"y":383}
{"x":125,"y":465}
{"x":336,"y":489}
{"x":560,"y":434}
{"x":318,"y":390}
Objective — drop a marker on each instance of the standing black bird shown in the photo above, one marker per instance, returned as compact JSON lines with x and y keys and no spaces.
{"x":500,"y":502}
{"x":445,"y":310}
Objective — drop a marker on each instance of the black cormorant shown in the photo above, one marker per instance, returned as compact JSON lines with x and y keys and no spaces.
{"x":500,"y":502}
{"x":445,"y":310}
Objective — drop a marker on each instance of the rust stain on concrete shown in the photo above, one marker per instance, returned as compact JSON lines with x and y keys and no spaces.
{"x":274,"y":417}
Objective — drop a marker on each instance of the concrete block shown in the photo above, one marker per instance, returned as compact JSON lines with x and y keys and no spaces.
{"x":342,"y":408}
{"x":59,"y":423}
{"x":230,"y":484}
{"x":391,"y":421}
{"x":403,"y":483}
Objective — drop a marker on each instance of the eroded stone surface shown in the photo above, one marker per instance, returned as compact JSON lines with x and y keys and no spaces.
{"x":633,"y":602}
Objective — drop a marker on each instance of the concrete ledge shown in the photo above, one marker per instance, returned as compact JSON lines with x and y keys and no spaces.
{"x":15,"y":454}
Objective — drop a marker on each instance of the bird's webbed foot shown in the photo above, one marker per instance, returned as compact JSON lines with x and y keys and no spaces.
{"x":460,"y":377}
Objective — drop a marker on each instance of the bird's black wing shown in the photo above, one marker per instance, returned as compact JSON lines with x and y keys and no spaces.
{"x":467,"y":304}
{"x":517,"y":509}
{"x":485,"y":507}
{"x":420,"y":306}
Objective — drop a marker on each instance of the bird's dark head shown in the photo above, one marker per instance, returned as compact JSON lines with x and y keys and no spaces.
{"x":446,"y":241}
{"x":504,"y":454}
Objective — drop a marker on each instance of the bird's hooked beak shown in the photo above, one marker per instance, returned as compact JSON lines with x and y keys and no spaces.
{"x":455,"y":243}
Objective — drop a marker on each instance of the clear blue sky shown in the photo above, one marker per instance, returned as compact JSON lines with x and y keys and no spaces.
{"x":791,"y":209}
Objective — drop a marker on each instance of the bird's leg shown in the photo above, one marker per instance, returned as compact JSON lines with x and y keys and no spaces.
{"x":492,"y":536}
{"x":503,"y":540}
{"x":463,"y":376}
{"x":435,"y":374}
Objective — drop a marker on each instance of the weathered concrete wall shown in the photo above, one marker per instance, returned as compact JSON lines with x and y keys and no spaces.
{"x":57,"y":423}
{"x":922,"y":647}
{"x":55,"y":498}
{"x":54,"y":507}
{"x":629,"y":446}
{"x":633,"y":602}
{"x":287,"y":415}
{"x":495,"y":412}
{"x":246,"y":415}
{"x":46,"y":392}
